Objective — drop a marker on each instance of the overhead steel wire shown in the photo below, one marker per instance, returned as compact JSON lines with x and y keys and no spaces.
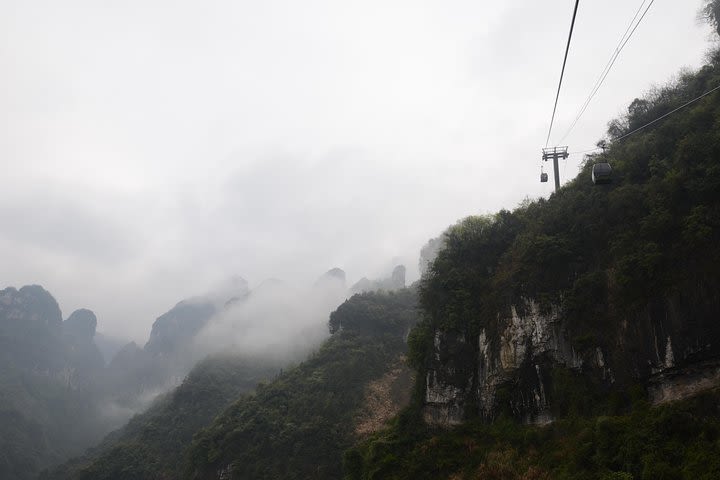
{"x":667,"y":114}
{"x":562,"y":72}
{"x":624,"y":39}
{"x":662,"y":117}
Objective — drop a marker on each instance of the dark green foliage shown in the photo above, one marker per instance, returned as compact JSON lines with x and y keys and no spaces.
{"x":419,"y":344}
{"x":678,"y":441}
{"x":151,"y":445}
{"x":596,"y":250}
{"x":604,"y":256}
{"x":365,"y":314}
{"x":299,"y":425}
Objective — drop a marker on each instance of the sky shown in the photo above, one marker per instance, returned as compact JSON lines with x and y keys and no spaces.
{"x":151,"y":149}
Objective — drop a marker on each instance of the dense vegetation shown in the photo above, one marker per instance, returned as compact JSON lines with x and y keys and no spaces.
{"x":590,"y":251}
{"x":297,"y":426}
{"x":598,"y":250}
{"x":597,"y":253}
{"x":151,"y":444}
{"x":678,"y":441}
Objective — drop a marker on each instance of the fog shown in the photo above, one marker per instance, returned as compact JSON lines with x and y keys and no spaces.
{"x":151,"y":149}
{"x":274,"y":325}
{"x":276,"y":321}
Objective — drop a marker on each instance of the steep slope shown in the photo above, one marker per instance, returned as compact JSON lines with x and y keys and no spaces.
{"x":135,"y":373}
{"x":294,"y":426}
{"x":576,"y":307}
{"x":48,"y":371}
{"x":298,"y":425}
{"x":152,"y":443}
{"x":619,"y":283}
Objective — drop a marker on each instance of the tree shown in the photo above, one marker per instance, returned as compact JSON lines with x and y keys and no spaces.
{"x":711,"y":14}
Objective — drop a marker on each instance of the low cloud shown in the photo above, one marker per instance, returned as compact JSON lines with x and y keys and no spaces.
{"x":275,"y":321}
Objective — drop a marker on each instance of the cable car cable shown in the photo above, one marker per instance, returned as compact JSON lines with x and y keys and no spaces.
{"x":623,"y":137}
{"x":668,"y":114}
{"x":562,"y":72}
{"x":613,"y":58}
{"x":608,"y":66}
{"x":606,"y":70}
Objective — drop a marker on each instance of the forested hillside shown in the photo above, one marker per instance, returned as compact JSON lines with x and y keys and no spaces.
{"x":151,"y":445}
{"x":297,"y":426}
{"x":57,"y":395}
{"x":578,"y":310}
{"x":574,"y":337}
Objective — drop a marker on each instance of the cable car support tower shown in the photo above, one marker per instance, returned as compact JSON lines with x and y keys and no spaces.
{"x":555,"y":153}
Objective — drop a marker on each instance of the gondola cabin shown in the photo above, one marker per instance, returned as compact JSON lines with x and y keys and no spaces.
{"x":543,"y":177}
{"x":601,"y":173}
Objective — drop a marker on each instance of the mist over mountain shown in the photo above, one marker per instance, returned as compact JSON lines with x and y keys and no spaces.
{"x":572,"y":337}
{"x":108,"y":346}
{"x":79,"y":396}
{"x":484,"y":325}
{"x":50,"y":376}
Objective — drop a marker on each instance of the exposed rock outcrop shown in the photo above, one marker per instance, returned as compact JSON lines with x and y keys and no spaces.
{"x":332,"y":276}
{"x":672,"y":347}
{"x":175,"y":329}
{"x":80,"y":326}
{"x":31,"y":310}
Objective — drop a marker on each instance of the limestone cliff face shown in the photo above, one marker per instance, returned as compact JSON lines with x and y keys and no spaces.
{"x":34,"y":338}
{"x":30,"y":311}
{"x":80,"y":326}
{"x":520,"y":353}
{"x":672,"y":347}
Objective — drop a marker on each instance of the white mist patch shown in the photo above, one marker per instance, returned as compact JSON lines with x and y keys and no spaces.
{"x":273,"y":321}
{"x":118,"y":413}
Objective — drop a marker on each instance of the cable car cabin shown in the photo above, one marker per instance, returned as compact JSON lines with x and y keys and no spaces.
{"x":543,"y":177}
{"x":601,"y":173}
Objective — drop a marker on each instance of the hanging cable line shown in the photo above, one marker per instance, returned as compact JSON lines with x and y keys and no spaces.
{"x":668,"y":114}
{"x":613,"y":58}
{"x":662,"y":117}
{"x":562,"y":72}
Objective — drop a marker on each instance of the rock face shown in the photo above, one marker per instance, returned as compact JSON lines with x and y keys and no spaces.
{"x":429,"y":252}
{"x":176,"y":328}
{"x":30,"y":330}
{"x":81,"y":352}
{"x":81,"y":326}
{"x":522,"y":353}
{"x":396,"y":281}
{"x":49,"y":370}
{"x":135,"y":374}
{"x":672,"y":347}
{"x":31,"y":309}
{"x":332,"y":276}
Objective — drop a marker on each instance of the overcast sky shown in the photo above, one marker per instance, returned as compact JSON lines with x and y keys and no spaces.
{"x":151,"y":148}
